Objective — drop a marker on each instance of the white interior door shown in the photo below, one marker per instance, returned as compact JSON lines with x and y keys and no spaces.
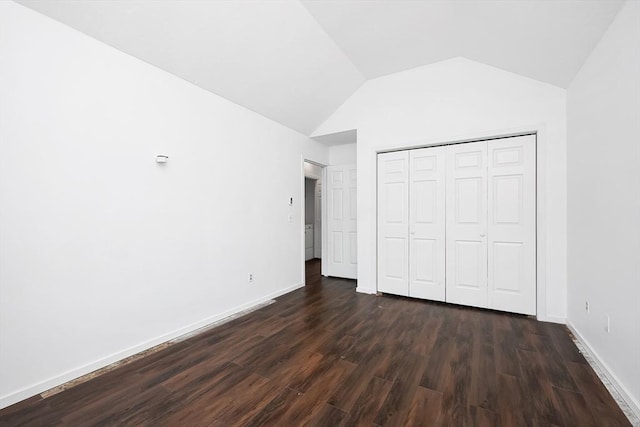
{"x":341,"y":221}
{"x":393,"y":222}
{"x":466,"y":246}
{"x":512,"y":224}
{"x":427,"y":223}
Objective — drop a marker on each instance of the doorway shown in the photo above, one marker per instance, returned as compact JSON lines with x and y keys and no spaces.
{"x":313,"y":213}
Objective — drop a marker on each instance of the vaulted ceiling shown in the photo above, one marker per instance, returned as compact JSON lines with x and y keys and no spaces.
{"x":296,"y":62}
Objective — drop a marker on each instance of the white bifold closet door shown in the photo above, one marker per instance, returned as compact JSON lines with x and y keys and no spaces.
{"x":411,"y":218}
{"x":511,"y":231}
{"x":467,"y":224}
{"x":457,"y":223}
{"x":393,"y":223}
{"x":427,"y":223}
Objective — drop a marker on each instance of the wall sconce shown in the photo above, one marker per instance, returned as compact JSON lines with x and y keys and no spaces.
{"x":161,"y":158}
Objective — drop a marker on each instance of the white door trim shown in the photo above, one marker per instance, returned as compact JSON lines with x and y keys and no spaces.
{"x":541,"y":204}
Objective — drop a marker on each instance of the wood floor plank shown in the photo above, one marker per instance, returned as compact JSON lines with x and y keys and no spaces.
{"x":554,"y":364}
{"x":362,"y":346}
{"x":426,"y":337}
{"x":328,"y":416}
{"x":439,"y":361}
{"x":316,"y":368}
{"x":483,"y":388}
{"x":394,"y":410}
{"x":346,"y":393}
{"x":481,"y":417}
{"x":561,"y":338}
{"x":369,"y":402}
{"x":539,"y":388}
{"x":297,"y":368}
{"x":512,"y":403}
{"x":247,"y":405}
{"x":308,"y":406}
{"x":28,"y":412}
{"x":574,"y":409}
{"x":506,"y":352}
{"x":275,"y":409}
{"x":116,"y":410}
{"x":281,"y":360}
{"x":597,"y":396}
{"x":390,"y":363}
{"x":185,"y":402}
{"x":456,"y":395}
{"x":325,"y":355}
{"x":425,"y":408}
{"x":217,"y":406}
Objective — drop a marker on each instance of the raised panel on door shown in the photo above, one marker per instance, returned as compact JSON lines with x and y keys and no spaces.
{"x":427,"y":223}
{"x":512,"y":225}
{"x":337,"y":197}
{"x":341,"y":221}
{"x":393,"y":223}
{"x":466,"y":224}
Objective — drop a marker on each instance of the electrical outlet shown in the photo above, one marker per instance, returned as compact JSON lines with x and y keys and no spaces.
{"x":586,"y":306}
{"x":250,"y":277}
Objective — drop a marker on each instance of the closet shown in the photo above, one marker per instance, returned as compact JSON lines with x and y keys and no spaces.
{"x":457,"y":223}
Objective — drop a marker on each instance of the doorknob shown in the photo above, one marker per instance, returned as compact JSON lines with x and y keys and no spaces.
{"x":481,"y":234}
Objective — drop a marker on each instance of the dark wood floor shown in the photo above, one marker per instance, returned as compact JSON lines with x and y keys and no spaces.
{"x":326,"y":356}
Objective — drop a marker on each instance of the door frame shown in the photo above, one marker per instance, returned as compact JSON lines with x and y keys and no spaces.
{"x":323,"y":210}
{"x":541,"y":228}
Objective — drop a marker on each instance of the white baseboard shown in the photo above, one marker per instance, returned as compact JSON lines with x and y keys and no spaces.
{"x":365,"y":290}
{"x":629,"y":405}
{"x":40,"y":387}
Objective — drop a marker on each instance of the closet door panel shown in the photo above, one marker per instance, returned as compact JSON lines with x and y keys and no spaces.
{"x":512,"y":225}
{"x":466,"y":224}
{"x":393,"y":223}
{"x":427,"y":223}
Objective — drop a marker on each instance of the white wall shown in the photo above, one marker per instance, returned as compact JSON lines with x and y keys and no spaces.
{"x":603,"y":107}
{"x":344,"y":154}
{"x":454,"y":100}
{"x":102,"y":251}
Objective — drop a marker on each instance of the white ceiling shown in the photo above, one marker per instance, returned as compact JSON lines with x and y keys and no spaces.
{"x":269,"y":56}
{"x":547,"y":40}
{"x":338,"y":138}
{"x":297,"y":62}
